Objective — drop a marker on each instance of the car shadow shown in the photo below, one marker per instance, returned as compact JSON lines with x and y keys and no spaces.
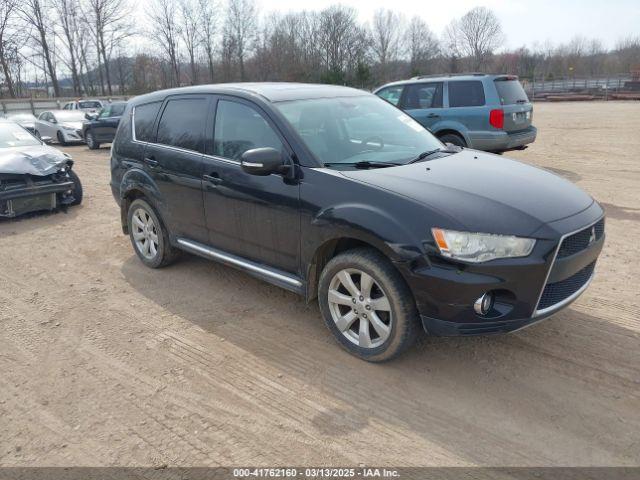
{"x":38,"y":220}
{"x":526,"y":393}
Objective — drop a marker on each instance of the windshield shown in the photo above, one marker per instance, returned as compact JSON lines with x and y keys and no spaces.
{"x":510,"y":92}
{"x":357,"y":129}
{"x":21,"y":117}
{"x":12,"y":135}
{"x":90,"y":104}
{"x":69,"y":116}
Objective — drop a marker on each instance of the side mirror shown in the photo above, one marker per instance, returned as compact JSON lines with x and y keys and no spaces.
{"x":53,"y":120}
{"x":263,"y":161}
{"x":46,"y":139}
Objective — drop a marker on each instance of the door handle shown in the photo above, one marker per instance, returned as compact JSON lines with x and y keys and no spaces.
{"x":433,"y":115}
{"x":214,"y":178}
{"x":152,"y":162}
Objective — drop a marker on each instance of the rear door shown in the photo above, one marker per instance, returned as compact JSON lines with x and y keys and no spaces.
{"x":174,"y":160}
{"x":466,"y":103}
{"x":518,"y":111}
{"x":44,"y":126}
{"x":423,"y":101}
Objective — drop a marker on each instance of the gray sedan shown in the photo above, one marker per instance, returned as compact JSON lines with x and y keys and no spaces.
{"x":61,"y":125}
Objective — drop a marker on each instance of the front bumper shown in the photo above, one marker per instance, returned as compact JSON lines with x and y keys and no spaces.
{"x":526,"y":290}
{"x":34,"y":196}
{"x":72,"y":135}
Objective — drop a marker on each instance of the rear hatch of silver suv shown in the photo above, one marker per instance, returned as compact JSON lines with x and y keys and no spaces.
{"x":518,"y":111}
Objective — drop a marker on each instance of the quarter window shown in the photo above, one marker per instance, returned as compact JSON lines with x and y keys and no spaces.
{"x":466,"y":93}
{"x":143,"y":117}
{"x":182,"y":123}
{"x":240,"y":128}
{"x":424,"y":95}
{"x":391,"y":94}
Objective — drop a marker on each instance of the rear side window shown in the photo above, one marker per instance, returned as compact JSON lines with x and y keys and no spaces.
{"x":391,"y":94}
{"x":182,"y":123}
{"x":240,"y":128}
{"x":466,"y":93}
{"x":510,"y":92}
{"x":424,"y":95}
{"x":143,"y":118}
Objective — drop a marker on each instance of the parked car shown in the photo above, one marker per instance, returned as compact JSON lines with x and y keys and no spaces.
{"x":333,"y":193}
{"x":102,"y":128}
{"x":90,"y":106}
{"x":480,"y":111}
{"x":33,"y":176}
{"x":25,"y":120}
{"x":64,"y":126}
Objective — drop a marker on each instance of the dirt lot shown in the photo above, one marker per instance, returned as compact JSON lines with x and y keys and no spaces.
{"x":104,"y":362}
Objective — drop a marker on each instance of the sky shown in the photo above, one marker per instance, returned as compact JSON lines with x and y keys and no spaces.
{"x":523,"y":21}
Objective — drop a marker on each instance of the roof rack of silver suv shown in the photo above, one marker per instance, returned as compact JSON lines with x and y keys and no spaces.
{"x":476,"y":74}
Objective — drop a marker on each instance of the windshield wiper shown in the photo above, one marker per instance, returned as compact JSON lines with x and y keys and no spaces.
{"x":364,"y":164}
{"x":426,"y":154}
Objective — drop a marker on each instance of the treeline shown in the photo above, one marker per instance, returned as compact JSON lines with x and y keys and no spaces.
{"x":85,"y":47}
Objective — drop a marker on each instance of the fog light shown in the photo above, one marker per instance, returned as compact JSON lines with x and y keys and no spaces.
{"x":483,"y":305}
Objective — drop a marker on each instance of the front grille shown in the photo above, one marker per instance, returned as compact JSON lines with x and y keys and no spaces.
{"x":579,"y":241}
{"x":557,"y":292}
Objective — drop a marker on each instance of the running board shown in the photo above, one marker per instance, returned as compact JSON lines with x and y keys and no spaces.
{"x":271,"y":275}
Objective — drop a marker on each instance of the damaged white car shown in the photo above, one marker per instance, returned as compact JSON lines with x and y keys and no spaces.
{"x":33,"y":176}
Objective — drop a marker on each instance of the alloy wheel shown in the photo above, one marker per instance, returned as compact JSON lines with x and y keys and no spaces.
{"x":145,"y":233}
{"x":360,"y":308}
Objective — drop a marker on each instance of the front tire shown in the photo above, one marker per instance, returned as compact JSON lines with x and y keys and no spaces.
{"x":367,"y":305}
{"x":61,"y":139}
{"x":148,"y":235}
{"x":91,"y":141}
{"x":77,"y":188}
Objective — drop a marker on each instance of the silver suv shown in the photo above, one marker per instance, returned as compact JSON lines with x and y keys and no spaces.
{"x":480,"y":111}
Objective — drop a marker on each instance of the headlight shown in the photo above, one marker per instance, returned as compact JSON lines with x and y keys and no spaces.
{"x":480,"y":247}
{"x":68,"y":127}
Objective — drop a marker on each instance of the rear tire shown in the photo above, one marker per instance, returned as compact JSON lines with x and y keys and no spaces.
{"x":149,"y":237}
{"x":454,"y":139}
{"x":91,"y":141}
{"x":373,"y":316}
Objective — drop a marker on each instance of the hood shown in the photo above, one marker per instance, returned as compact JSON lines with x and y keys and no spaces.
{"x":478,"y":190}
{"x":39,"y":160}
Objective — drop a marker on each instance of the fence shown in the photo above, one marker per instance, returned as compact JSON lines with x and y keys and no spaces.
{"x":599,"y":86}
{"x":39,"y":105}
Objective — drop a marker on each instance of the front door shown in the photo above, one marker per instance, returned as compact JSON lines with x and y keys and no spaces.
{"x":174,"y":160}
{"x":254,"y":217}
{"x":423,"y":101}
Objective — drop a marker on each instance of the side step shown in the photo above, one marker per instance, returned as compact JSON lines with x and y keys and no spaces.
{"x":277,"y":277}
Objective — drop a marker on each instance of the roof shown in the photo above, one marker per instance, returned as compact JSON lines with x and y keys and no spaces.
{"x":446,"y":76}
{"x":270,"y":91}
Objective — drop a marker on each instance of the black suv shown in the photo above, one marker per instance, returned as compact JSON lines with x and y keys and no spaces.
{"x":101,"y":127}
{"x":333,"y":193}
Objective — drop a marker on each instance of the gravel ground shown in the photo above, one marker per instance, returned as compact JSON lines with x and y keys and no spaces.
{"x":105,"y":362}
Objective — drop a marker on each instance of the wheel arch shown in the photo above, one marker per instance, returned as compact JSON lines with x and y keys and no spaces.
{"x":137,"y":184}
{"x":452,"y":131}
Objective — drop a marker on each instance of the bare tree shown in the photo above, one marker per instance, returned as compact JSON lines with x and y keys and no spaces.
{"x":109,"y":20}
{"x":241,"y":28}
{"x":422,"y":45}
{"x":386,"y":37}
{"x":166,"y":33}
{"x":190,"y":34}
{"x":67,"y":14}
{"x":36,"y":16}
{"x":476,"y":35}
{"x":207,"y":26}
{"x":7,"y":36}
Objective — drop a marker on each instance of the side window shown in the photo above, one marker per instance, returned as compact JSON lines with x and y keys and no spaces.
{"x":240,"y":128}
{"x":182,"y":123}
{"x":143,"y":118}
{"x":117,"y":110}
{"x":391,"y":94}
{"x":467,"y":93}
{"x":105,"y":112}
{"x":424,"y":95}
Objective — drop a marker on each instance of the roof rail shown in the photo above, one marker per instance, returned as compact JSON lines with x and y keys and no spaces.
{"x":464,"y":74}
